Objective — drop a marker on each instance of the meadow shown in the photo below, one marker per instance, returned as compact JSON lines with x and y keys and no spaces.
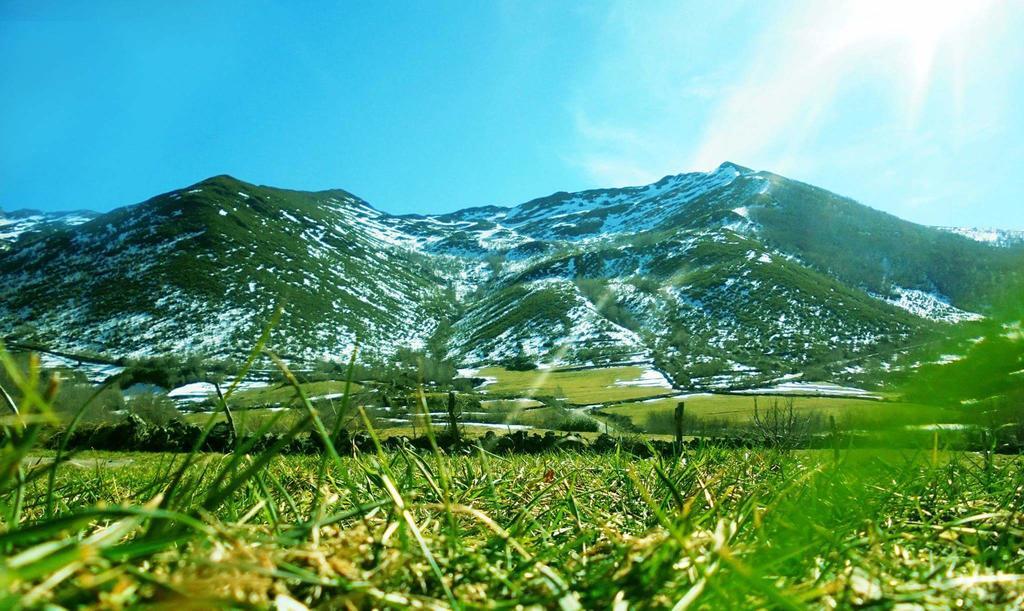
{"x":709,"y":529}
{"x":395,"y":523}
{"x":284,"y":394}
{"x":725,"y":411}
{"x":577,"y":386}
{"x":585,"y":401}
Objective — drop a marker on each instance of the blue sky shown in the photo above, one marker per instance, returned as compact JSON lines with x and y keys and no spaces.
{"x":910,"y":106}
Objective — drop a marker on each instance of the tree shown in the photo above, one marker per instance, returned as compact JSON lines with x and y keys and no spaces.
{"x":520,"y":362}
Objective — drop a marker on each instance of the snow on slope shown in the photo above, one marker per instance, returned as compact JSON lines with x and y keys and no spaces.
{"x":545,"y":319}
{"x":605,"y":212}
{"x":345,"y":275}
{"x":928,"y":305}
{"x":818,"y":389}
{"x":14,"y":224}
{"x":706,"y":289}
{"x":996,"y":237}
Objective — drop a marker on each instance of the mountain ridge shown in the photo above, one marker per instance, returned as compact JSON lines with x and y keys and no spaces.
{"x":990,"y":235}
{"x":719,"y":277}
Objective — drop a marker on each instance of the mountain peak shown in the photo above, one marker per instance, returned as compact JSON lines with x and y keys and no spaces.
{"x":222,"y":179}
{"x":728,"y":165}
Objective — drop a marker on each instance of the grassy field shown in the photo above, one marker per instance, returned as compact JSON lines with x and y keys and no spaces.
{"x":707,"y":527}
{"x":722,"y":529}
{"x":739,"y":409}
{"x":509,"y":404}
{"x":250,"y":420}
{"x":538,"y":418}
{"x":251,"y":412}
{"x":284,"y":394}
{"x":581,"y":387}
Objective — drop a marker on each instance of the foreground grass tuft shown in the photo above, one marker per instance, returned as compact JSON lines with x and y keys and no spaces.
{"x":718,"y":528}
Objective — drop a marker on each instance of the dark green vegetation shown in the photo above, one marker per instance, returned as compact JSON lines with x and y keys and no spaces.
{"x":171,"y":372}
{"x":878,"y":249}
{"x":726,"y":279}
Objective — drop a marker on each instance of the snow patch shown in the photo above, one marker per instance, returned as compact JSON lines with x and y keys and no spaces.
{"x":995,"y":237}
{"x":650,"y":378}
{"x":928,"y":305}
{"x":818,"y":389}
{"x":193,"y":393}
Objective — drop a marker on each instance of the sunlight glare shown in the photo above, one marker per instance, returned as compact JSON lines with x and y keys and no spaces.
{"x":912,"y":33}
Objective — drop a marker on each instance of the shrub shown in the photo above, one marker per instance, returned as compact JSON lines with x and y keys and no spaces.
{"x":780,"y":426}
{"x":71,"y":397}
{"x":520,"y":362}
{"x":171,"y":371}
{"x":576,"y":423}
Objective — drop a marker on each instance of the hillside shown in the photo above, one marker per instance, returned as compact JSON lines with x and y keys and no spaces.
{"x":199,"y":269}
{"x":17,"y":223}
{"x":722,"y":278}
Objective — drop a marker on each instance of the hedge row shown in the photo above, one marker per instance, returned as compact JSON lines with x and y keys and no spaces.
{"x":133,"y":434}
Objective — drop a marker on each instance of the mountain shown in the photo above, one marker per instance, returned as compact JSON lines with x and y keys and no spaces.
{"x":21,"y":222}
{"x":196,"y":270}
{"x":721,"y":278}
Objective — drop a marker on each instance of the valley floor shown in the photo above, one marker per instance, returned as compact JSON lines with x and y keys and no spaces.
{"x":584,"y":401}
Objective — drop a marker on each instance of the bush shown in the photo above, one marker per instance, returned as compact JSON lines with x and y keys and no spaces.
{"x":606,"y":302}
{"x":520,"y":362}
{"x":577,"y":424}
{"x":171,"y":371}
{"x":408,"y":369}
{"x":780,"y":426}
{"x":645,"y":284}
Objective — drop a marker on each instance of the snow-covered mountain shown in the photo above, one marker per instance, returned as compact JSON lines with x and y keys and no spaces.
{"x":719,"y":277}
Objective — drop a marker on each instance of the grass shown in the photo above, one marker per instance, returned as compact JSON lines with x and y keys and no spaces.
{"x":258,"y":407}
{"x":739,"y":409}
{"x":280,"y":420}
{"x":724,"y":529}
{"x":284,"y":394}
{"x":509,"y":404}
{"x":251,"y":420}
{"x":579,"y":387}
{"x":711,"y":528}
{"x":553,"y":418}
